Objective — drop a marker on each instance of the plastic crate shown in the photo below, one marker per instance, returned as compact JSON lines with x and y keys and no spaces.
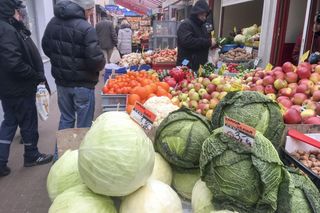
{"x":163,"y":66}
{"x":109,"y":72}
{"x":114,"y":102}
{"x":141,"y":67}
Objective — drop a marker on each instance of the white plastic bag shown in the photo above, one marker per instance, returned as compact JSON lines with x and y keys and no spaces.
{"x":115,"y":56}
{"x":42,"y":102}
{"x":213,"y":56}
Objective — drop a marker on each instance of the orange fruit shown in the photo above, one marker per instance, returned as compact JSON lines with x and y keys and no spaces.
{"x":151,"y":95}
{"x":161,"y":92}
{"x":164,"y":85}
{"x":141,"y":92}
{"x":153,"y":87}
{"x":133,"y":98}
{"x":129,"y":108}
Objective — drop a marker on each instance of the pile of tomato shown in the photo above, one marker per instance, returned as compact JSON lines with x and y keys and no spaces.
{"x":139,"y":85}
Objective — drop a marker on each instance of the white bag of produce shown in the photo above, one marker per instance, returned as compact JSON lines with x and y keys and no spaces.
{"x":115,"y":56}
{"x":42,"y":102}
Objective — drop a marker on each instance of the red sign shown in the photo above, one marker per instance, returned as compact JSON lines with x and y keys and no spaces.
{"x":142,"y":116}
{"x":139,"y":8}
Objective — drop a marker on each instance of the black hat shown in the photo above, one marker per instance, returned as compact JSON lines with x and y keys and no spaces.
{"x":201,"y":6}
{"x":8,"y":7}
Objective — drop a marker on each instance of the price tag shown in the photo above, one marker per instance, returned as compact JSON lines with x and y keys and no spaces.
{"x":256,"y":62}
{"x":241,"y":132}
{"x":248,"y":49}
{"x":269,"y":67}
{"x":304,"y":56}
{"x":185,"y":62}
{"x":142,"y":116}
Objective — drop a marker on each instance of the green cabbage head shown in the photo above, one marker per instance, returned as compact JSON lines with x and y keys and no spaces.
{"x":64,"y":174}
{"x":115,"y":157}
{"x":298,"y":194}
{"x":241,"y":178}
{"x":154,"y":197}
{"x":180,"y":136}
{"x":81,"y":199}
{"x":253,"y":109}
{"x":162,"y":170}
{"x":184,"y":181}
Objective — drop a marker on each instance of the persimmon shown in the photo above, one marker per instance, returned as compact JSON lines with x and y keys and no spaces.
{"x":161,"y":92}
{"x":141,"y":92}
{"x":164,"y":85}
{"x":129,"y":108}
{"x":133,"y":98}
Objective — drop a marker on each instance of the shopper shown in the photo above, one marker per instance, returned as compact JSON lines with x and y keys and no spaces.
{"x":125,"y":38}
{"x":107,"y":37}
{"x":193,"y":38}
{"x":21,"y":70}
{"x":315,"y":43}
{"x":71,"y":44}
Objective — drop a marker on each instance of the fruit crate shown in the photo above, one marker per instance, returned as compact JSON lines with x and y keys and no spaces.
{"x":111,"y":73}
{"x":163,"y":66}
{"x":114,"y":102}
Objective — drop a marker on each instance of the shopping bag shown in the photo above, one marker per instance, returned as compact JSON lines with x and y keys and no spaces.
{"x":115,"y":56}
{"x":42,"y":102}
{"x":213,"y":56}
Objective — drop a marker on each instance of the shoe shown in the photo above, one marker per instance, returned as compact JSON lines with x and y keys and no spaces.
{"x":40,"y":160}
{"x":5,"y":171}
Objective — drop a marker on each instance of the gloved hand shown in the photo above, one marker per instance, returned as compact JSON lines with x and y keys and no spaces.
{"x":314,"y":58}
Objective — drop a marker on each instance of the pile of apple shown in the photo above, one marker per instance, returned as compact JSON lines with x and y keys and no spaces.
{"x":297,"y":89}
{"x":203,"y":94}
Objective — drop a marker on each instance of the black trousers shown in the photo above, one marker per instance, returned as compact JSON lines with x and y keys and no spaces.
{"x":20,"y":112}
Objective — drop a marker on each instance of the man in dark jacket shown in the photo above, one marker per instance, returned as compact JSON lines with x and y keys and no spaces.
{"x":193,"y":37}
{"x":21,"y":70}
{"x":107,"y":36}
{"x":71,"y":44}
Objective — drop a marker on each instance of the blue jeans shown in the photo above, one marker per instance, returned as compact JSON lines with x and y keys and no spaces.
{"x":75,"y":104}
{"x":22,"y":112}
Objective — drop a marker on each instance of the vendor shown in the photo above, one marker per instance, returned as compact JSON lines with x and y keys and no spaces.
{"x":193,"y":38}
{"x":315,"y":42}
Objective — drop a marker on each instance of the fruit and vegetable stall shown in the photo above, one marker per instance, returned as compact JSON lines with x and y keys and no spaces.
{"x":203,"y":143}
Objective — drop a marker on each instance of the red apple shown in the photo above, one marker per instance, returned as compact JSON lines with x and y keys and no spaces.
{"x":213,"y":103}
{"x":315,"y":88}
{"x":293,"y":86}
{"x":306,"y":65}
{"x":292,"y":116}
{"x":291,"y":77}
{"x":287,"y":67}
{"x":259,"y":88}
{"x":277,"y":69}
{"x":286,"y":92}
{"x":259,"y":74}
{"x":280,"y":83}
{"x":316,"y":96}
{"x":269,"y":89}
{"x":303,"y":72}
{"x":206,"y":96}
{"x":255,"y":79}
{"x":299,"y":98}
{"x":305,"y":114}
{"x":268,"y":80}
{"x":279,"y":74}
{"x":297,"y":107}
{"x":285,"y":103}
{"x":211,"y":88}
{"x":281,"y":98}
{"x":307,"y":82}
{"x":315,"y":77}
{"x":215,"y":94}
{"x":259,"y":82}
{"x":312,"y":120}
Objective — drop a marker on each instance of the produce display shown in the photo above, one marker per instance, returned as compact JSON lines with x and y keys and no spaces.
{"x":115,"y":157}
{"x":162,"y":170}
{"x":133,"y":59}
{"x":249,"y":36}
{"x":184,"y":181}
{"x":309,"y":159}
{"x":176,"y":75}
{"x":64,"y":174}
{"x":80,"y":199}
{"x":237,"y":54}
{"x":165,"y":56}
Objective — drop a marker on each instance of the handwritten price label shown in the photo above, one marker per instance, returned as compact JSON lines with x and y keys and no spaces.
{"x":142,"y":116}
{"x":304,"y":56}
{"x":240,"y":132}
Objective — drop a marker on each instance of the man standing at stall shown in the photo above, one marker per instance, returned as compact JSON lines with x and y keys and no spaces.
{"x":193,"y":38}
{"x":72,"y":45}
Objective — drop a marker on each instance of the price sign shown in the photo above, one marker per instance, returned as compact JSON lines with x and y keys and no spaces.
{"x":304,"y":56}
{"x":142,"y":116}
{"x":248,"y":49}
{"x":269,"y":67}
{"x":185,"y":62}
{"x":240,"y":132}
{"x":256,"y":62}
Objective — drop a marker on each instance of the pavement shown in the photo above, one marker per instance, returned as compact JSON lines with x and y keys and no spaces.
{"x":24,"y":190}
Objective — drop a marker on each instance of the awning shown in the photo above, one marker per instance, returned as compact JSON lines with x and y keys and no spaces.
{"x":143,"y":7}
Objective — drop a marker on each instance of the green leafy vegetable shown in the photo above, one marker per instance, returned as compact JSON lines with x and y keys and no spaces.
{"x":115,"y":157}
{"x":253,"y":109}
{"x":64,"y":174}
{"x":81,"y":199}
{"x":180,"y":136}
{"x":184,"y":181}
{"x":241,"y":178}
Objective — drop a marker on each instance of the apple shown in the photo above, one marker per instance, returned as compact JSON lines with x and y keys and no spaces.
{"x":193,"y":104}
{"x":204,"y":101}
{"x":281,"y":98}
{"x":222,"y":94}
{"x":194,"y":96}
{"x":206,"y":82}
{"x":259,"y":74}
{"x":220,"y":88}
{"x":218,"y":80}
{"x":293,"y":86}
{"x":268,"y":80}
{"x":211,"y":88}
{"x":203,"y":107}
{"x":309,"y":104}
{"x":287,"y":67}
{"x":200,"y":79}
{"x":209,"y":114}
{"x":285,"y":103}
{"x":303,"y":88}
{"x":315,"y":77}
{"x":297,"y":107}
{"x":245,"y":88}
{"x":215,"y":94}
{"x":190,"y":86}
{"x":315,"y":88}
{"x":175,"y":101}
{"x":183,"y":97}
{"x":306,"y":65}
{"x":255,"y":79}
{"x":271,"y":96}
{"x":198,"y":111}
{"x":317,"y":69}
{"x":198,"y":86}
{"x":279,"y":74}
{"x":292,"y":116}
{"x":307,"y":82}
{"x":312,"y":120}
{"x":291,"y":77}
{"x":317,"y":108}
{"x":303,"y":72}
{"x":185,"y":104}
{"x":259,"y":82}
{"x":305,"y":114}
{"x":202,"y":91}
{"x":277,"y":68}
{"x":316,"y":96}
{"x":249,"y":79}
{"x":213,"y":103}
{"x":206,"y":96}
{"x":184,"y":90}
{"x":299,"y":98}
{"x":212,"y":76}
{"x":286,"y":92}
{"x":280,"y":83}
{"x":269,"y":89}
{"x":184,"y":83}
{"x":259,"y":88}
{"x":227,"y":87}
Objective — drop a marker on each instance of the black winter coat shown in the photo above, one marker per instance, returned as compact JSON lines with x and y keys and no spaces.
{"x":21,"y":67}
{"x":72,"y":45}
{"x":193,"y":43}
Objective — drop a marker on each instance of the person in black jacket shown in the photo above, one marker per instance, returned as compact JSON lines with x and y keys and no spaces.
{"x":71,"y":44}
{"x":21,"y":70}
{"x":193,"y":38}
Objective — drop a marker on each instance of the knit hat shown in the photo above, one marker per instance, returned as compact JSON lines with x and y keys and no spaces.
{"x":85,"y":4}
{"x":201,"y":6}
{"x":8,"y":7}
